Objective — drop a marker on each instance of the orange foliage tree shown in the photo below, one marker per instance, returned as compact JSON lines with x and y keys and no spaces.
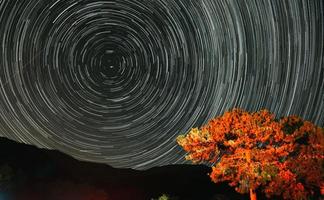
{"x":255,"y":151}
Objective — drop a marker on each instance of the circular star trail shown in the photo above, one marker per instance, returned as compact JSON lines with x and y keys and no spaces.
{"x":116,"y":81}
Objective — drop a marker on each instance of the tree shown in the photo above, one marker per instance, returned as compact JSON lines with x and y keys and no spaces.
{"x":255,"y":151}
{"x":166,"y":197}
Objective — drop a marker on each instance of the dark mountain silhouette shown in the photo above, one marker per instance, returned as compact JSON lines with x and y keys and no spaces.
{"x":36,"y":173}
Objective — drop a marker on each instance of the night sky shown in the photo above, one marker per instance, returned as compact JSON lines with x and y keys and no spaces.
{"x":117,"y":81}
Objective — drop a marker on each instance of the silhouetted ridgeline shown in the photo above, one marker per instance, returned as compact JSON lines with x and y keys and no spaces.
{"x":28,"y":172}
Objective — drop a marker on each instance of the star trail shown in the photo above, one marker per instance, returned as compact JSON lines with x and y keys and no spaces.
{"x":117,"y":81}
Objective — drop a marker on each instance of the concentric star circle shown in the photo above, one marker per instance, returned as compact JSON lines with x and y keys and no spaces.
{"x":116,"y":81}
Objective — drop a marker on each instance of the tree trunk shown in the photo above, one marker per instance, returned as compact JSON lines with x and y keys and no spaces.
{"x":253,"y":195}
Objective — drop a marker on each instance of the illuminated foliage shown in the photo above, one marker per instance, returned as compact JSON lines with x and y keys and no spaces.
{"x":166,"y":197}
{"x":254,"y":150}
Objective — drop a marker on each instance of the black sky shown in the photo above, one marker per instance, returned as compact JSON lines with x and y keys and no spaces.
{"x":117,"y":81}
